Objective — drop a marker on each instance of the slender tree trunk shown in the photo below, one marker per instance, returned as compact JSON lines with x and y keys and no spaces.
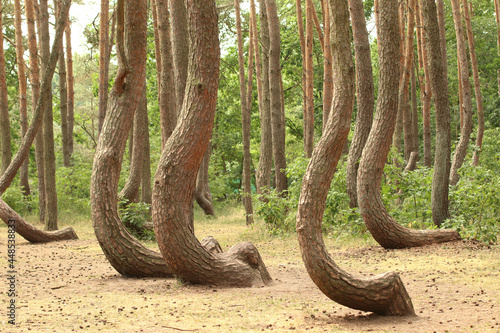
{"x":180,"y":48}
{"x":202,"y":193}
{"x":277,"y":117}
{"x":48,"y":127}
{"x":245,"y":115}
{"x":439,"y":86}
{"x":183,"y":153}
{"x":4,"y":108}
{"x":414,"y":113}
{"x":146,"y":191}
{"x":63,"y":108}
{"x":386,"y":231}
{"x":71,"y":89}
{"x":383,"y":294}
{"x":263,"y":177}
{"x":327,"y":65}
{"x":425,"y":89}
{"x":309,"y":88}
{"x":477,"y":85}
{"x":302,"y":40}
{"x":497,"y":16}
{"x":124,"y":252}
{"x":104,"y":49}
{"x":442,"y":35}
{"x":23,"y":100}
{"x":466,"y":128}
{"x":35,"y":93}
{"x":365,"y":96}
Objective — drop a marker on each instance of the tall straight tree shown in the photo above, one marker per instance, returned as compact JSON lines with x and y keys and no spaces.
{"x":365,"y":96}
{"x":104,"y":50}
{"x":277,"y":116}
{"x":497,"y":16}
{"x":263,"y":174}
{"x":384,"y":294}
{"x":466,"y":102}
{"x":63,"y":107}
{"x":386,"y":231}
{"x":245,"y":114}
{"x":23,"y":98}
{"x":327,"y":65}
{"x":180,"y":160}
{"x":4,"y":107}
{"x":477,"y":84}
{"x":309,"y":88}
{"x":71,"y":88}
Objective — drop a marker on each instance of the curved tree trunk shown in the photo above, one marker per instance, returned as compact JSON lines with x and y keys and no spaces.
{"x":277,"y":116}
{"x":466,"y":128}
{"x":23,"y":98}
{"x":124,"y":252}
{"x":384,"y":294}
{"x":263,"y":178}
{"x":202,"y":193}
{"x":180,"y":160}
{"x":365,"y":96}
{"x":386,"y":231}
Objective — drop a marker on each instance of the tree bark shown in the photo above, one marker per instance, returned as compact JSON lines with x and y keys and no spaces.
{"x":497,"y":17}
{"x":180,"y":48}
{"x":63,"y":108}
{"x":146,"y":190}
{"x":277,"y":117}
{"x":71,"y":89}
{"x":384,"y":294}
{"x":466,"y":128}
{"x":35,"y":94}
{"x":263,"y":178}
{"x":327,"y":65}
{"x":124,"y":252}
{"x":4,"y":108}
{"x":245,"y":115}
{"x":23,"y":100}
{"x":477,"y":85}
{"x":309,"y":88}
{"x":365,"y":96}
{"x":202,"y":193}
{"x":104,"y":49}
{"x":386,"y":231}
{"x":414,"y":112}
{"x":302,"y":40}
{"x":190,"y":261}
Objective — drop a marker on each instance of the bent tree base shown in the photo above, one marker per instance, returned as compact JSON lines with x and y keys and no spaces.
{"x":31,"y":233}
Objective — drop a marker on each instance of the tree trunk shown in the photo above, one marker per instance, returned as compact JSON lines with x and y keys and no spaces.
{"x":202,"y":193}
{"x":35,"y":93}
{"x":4,"y":108}
{"x":442,"y":35}
{"x":180,"y":47}
{"x":263,"y":178}
{"x":309,"y":88}
{"x":384,"y":294}
{"x":414,"y":113}
{"x":425,"y":89}
{"x":104,"y":49}
{"x":245,"y":115}
{"x":23,"y":100}
{"x":327,"y":65}
{"x":183,"y":153}
{"x":466,"y":128}
{"x":365,"y":96}
{"x":130,"y":191}
{"x":167,"y":89}
{"x":277,"y":117}
{"x":63,"y":108}
{"x":477,"y":85}
{"x":386,"y":231}
{"x":71,"y":89}
{"x":302,"y":40}
{"x":439,"y":87}
{"x":497,"y":16}
{"x":124,"y":252}
{"x":146,"y":190}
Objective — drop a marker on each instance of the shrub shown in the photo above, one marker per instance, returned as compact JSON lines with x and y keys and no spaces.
{"x":134,"y":215}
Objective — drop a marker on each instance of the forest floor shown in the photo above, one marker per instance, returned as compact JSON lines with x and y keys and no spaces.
{"x":69,"y":286}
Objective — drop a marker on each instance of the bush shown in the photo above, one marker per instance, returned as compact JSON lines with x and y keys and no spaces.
{"x":134,"y":215}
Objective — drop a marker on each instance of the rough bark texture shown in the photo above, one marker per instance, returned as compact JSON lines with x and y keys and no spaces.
{"x":6,"y":153}
{"x":23,"y":105}
{"x":130,"y":191}
{"x":71,"y":89}
{"x":245,"y":115}
{"x":263,"y":178}
{"x":277,"y":116}
{"x":442,"y":34}
{"x":439,"y":87}
{"x":327,"y":65}
{"x":384,"y":294}
{"x":202,"y":193}
{"x":477,"y":84}
{"x":181,"y":158}
{"x":104,"y":46}
{"x":309,"y":88}
{"x":365,"y":96}
{"x":180,"y":47}
{"x":466,"y":128}
{"x":124,"y":252}
{"x":146,"y":190}
{"x":386,"y":231}
{"x":35,"y":93}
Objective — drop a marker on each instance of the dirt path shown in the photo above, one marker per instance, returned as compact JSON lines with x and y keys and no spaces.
{"x":69,"y":286}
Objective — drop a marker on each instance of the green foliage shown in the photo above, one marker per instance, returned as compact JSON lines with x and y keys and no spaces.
{"x":17,"y":201}
{"x":274,"y":210}
{"x":133,"y":216}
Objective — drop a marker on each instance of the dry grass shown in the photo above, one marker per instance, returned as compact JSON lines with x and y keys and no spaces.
{"x":69,"y":286}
